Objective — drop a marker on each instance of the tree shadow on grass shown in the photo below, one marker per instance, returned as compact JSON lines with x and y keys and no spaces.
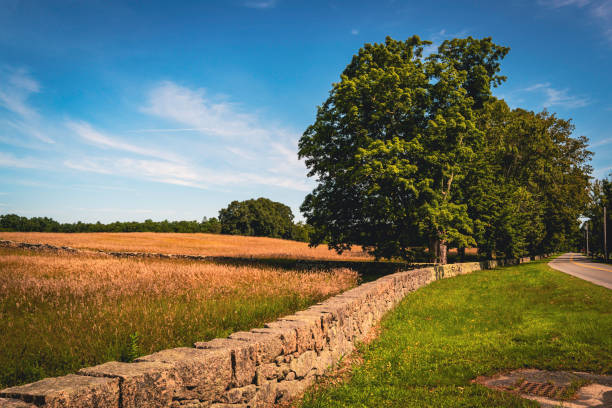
{"x":367,"y":270}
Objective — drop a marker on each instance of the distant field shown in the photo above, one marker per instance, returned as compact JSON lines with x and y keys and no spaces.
{"x":60,"y":311}
{"x":189,"y":244}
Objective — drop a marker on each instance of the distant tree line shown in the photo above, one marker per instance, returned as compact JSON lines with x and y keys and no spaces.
{"x":258,"y":217}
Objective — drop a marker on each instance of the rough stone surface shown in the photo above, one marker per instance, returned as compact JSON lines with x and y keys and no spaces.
{"x":150,"y":384}
{"x":13,"y":403}
{"x":265,"y":396}
{"x":302,"y":365}
{"x":244,"y":358}
{"x":288,"y":390}
{"x":287,"y":336}
{"x":68,"y":391}
{"x":204,"y":374}
{"x":267,"y":346}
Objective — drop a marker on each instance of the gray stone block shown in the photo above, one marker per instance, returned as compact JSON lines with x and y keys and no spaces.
{"x":68,"y":391}
{"x":303,"y":329}
{"x":265,"y":396}
{"x":267,"y":372}
{"x":288,"y":390}
{"x":268,"y":345}
{"x":287,"y":336}
{"x":204,"y":374}
{"x":304,"y":363}
{"x":244,"y":358}
{"x":240,"y":395}
{"x":315,"y":325}
{"x":150,"y":384}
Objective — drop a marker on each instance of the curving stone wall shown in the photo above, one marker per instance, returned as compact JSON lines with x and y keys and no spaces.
{"x":258,"y":368}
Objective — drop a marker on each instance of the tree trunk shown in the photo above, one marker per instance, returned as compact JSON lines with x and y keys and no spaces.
{"x":442,"y":252}
{"x":461,"y":253}
{"x":433,"y":250}
{"x":438,"y":251}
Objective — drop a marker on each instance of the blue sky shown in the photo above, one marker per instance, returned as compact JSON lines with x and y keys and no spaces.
{"x":170,"y":110}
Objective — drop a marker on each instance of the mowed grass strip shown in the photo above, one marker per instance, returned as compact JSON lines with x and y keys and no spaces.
{"x":446,"y":334}
{"x":60,"y":312}
{"x":188,"y":244}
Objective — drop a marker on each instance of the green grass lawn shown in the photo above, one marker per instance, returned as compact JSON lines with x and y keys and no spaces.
{"x":444,"y":335}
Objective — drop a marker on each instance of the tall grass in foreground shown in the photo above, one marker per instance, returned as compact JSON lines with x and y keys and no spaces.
{"x":61,"y":312}
{"x":189,"y":244}
{"x":442,"y":336}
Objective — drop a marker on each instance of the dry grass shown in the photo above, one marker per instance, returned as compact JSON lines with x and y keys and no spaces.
{"x":189,"y":244}
{"x":60,"y":312}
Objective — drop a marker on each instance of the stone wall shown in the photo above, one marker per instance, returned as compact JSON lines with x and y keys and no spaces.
{"x":258,"y":368}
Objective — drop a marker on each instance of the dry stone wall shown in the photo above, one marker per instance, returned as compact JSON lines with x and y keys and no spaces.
{"x":258,"y":368}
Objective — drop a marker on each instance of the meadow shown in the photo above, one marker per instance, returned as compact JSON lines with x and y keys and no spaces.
{"x":62,"y":311}
{"x":188,"y":244}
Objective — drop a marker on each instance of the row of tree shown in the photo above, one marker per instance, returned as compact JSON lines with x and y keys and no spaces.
{"x":13,"y":222}
{"x":412,"y":150}
{"x":261,"y":217}
{"x":601,"y":197}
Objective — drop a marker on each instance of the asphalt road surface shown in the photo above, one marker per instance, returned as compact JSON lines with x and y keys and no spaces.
{"x":583,"y":268}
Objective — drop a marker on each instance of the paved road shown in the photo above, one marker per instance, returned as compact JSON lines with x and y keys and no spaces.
{"x":583,"y":268}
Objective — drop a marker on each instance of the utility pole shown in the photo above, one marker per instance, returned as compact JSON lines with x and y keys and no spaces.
{"x":605,"y":236}
{"x":587,"y":234}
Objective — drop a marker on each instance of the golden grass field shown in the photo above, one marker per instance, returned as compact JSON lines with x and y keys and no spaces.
{"x":188,"y":244}
{"x":61,"y":311}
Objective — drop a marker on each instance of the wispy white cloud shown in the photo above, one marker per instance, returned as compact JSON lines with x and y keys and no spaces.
{"x":119,"y":210}
{"x":243,"y":154}
{"x":563,"y":3}
{"x":169,"y":130}
{"x":601,"y":142}
{"x":31,"y":130}
{"x":207,"y":142}
{"x":263,"y":4}
{"x":183,"y":175}
{"x":89,"y":134}
{"x":355,"y":31}
{"x":16,"y":86}
{"x":152,"y":170}
{"x":192,"y":108}
{"x":598,"y":10}
{"x":603,"y":9}
{"x":602,"y":172}
{"x":9,"y":160}
{"x":558,"y":97}
{"x":224,"y":127}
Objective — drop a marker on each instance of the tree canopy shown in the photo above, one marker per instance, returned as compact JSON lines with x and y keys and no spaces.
{"x":411,"y":149}
{"x":260,"y":217}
